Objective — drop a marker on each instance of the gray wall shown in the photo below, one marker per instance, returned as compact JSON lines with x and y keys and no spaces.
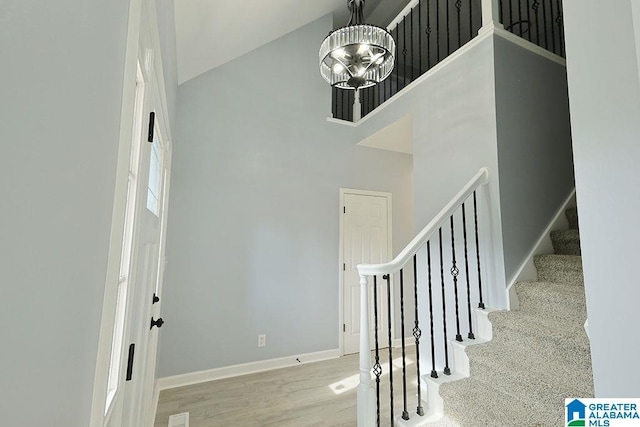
{"x":534,"y":146}
{"x":454,"y":135}
{"x":604,"y":89}
{"x":254,"y":211}
{"x":61,"y":95}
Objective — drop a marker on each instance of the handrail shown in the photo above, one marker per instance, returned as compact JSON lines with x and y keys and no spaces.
{"x":481,"y":178}
{"x":400,"y":16}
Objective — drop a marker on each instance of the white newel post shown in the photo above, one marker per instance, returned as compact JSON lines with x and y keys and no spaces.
{"x":357,"y":110}
{"x":366,"y":397}
{"x":490,"y":15}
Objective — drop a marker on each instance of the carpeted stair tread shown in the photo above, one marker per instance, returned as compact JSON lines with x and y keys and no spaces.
{"x":472,"y":403}
{"x":572,"y":217}
{"x":556,"y":300}
{"x":539,"y":355}
{"x":559,"y":268}
{"x":566,"y":242}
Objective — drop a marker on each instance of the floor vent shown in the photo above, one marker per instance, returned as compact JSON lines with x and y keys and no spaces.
{"x":179,"y":420}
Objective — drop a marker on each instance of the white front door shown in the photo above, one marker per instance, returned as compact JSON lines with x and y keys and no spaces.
{"x":133,"y":342}
{"x":365,"y":240}
{"x":149,"y":273}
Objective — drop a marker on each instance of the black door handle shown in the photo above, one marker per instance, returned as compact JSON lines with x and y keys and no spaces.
{"x":157,"y":323}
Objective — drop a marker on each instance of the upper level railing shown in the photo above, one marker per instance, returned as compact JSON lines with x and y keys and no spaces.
{"x":538,"y":21}
{"x":448,"y":240}
{"x":428,"y":31}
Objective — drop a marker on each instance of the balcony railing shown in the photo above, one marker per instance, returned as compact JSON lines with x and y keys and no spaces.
{"x":428,"y":31}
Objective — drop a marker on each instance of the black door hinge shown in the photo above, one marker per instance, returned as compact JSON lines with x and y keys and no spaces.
{"x":155,"y":299}
{"x":152,"y":119}
{"x":344,"y":267}
{"x":344,"y":328}
{"x":132,"y":349}
{"x":344,"y":209}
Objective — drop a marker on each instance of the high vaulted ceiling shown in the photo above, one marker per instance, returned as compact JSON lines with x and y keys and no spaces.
{"x":212,"y":32}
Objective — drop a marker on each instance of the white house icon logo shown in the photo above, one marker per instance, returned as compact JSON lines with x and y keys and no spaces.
{"x":576,"y":413}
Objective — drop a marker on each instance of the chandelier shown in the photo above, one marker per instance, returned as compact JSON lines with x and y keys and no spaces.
{"x":358,"y":55}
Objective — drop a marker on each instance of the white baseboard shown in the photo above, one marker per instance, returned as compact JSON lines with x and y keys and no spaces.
{"x":526,"y":272}
{"x":243,"y":369}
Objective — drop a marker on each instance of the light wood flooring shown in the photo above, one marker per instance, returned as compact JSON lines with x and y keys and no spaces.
{"x":314,"y":394}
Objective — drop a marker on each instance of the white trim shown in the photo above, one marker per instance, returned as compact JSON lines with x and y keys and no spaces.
{"x":103,"y":359}
{"x":343,"y":122}
{"x":389,"y":197}
{"x":402,"y":14}
{"x":529,"y":46}
{"x":526,"y":271}
{"x":244,"y":369}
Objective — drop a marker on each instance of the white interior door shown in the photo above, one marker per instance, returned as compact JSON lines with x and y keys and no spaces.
{"x":365,"y":240}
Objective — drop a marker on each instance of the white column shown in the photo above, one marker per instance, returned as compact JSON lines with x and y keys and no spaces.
{"x":490,"y":15}
{"x":366,"y":396}
{"x":357,"y":110}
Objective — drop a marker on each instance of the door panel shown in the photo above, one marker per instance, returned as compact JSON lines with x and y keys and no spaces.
{"x":365,"y":241}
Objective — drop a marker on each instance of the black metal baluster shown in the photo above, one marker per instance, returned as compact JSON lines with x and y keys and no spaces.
{"x":500,"y":13}
{"x":471,"y":336}
{"x":458,"y":5}
{"x":470,"y":19}
{"x":405,"y":413}
{"x":377,"y":369}
{"x":417,"y":333}
{"x":553,"y":27}
{"x":511,"y":15}
{"x":448,"y":27}
{"x":434,"y":373}
{"x":387,"y":277}
{"x":404,"y":52}
{"x":419,"y":37}
{"x":454,"y":273}
{"x":529,"y":20}
{"x":428,"y":32}
{"x":437,"y":31}
{"x":397,"y":58}
{"x":447,"y":371}
{"x":520,"y":16}
{"x":544,"y":21}
{"x":560,"y":21}
{"x":475,"y":220}
{"x":535,"y":6}
{"x":412,"y":50}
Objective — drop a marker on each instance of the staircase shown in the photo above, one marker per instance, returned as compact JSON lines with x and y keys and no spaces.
{"x":538,"y":356}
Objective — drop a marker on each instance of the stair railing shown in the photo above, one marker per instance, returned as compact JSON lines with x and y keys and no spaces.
{"x":369,"y":407}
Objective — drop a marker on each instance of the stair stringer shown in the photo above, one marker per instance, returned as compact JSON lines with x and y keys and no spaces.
{"x":460,"y":369}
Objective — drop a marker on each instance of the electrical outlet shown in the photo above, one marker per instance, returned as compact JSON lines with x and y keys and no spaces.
{"x":262,"y":340}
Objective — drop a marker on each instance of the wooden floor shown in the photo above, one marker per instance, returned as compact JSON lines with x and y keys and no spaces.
{"x":314,"y":394}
